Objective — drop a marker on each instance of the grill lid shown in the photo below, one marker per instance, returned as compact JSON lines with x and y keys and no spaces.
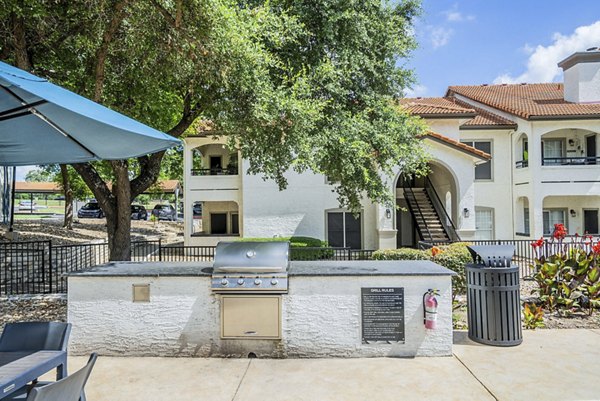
{"x":251,"y":257}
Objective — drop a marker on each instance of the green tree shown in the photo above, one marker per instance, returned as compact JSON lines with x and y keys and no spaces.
{"x":300,"y":85}
{"x":40,"y":175}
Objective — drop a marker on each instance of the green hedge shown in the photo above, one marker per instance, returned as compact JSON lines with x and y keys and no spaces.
{"x":453,"y":257}
{"x":401,"y":254}
{"x":296,"y":245}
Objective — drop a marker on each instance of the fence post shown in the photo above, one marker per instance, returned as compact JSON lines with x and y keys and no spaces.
{"x":50,"y":265}
{"x":160,"y":249}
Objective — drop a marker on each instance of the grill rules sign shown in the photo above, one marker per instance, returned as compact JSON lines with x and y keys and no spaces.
{"x":382,"y":314}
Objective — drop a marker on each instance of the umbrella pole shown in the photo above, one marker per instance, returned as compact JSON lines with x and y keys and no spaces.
{"x":12,"y":200}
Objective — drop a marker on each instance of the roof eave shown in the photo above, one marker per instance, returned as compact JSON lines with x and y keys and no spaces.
{"x":453,"y":146}
{"x":564,"y":117}
{"x":488,"y":127}
{"x":446,"y":115}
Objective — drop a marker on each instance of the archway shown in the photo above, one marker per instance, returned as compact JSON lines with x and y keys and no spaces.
{"x":439,"y":192}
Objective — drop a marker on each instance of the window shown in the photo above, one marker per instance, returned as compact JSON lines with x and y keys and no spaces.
{"x":552,"y":217}
{"x":484,"y":223}
{"x":344,"y":230}
{"x":482,"y":171}
{"x":552,"y":152}
{"x":526,"y":220}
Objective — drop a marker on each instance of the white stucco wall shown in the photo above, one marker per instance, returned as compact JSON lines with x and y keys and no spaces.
{"x":321,"y":317}
{"x":496,"y":192}
{"x":298,"y":210}
{"x":582,"y":83}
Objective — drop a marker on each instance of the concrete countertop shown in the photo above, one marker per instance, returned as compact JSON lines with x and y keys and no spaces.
{"x":369,"y":268}
{"x":311,"y":268}
{"x":146,"y":269}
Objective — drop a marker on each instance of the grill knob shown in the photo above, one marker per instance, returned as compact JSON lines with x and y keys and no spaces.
{"x":274,"y":282}
{"x":224,"y":282}
{"x":257,"y":282}
{"x":241,"y":281}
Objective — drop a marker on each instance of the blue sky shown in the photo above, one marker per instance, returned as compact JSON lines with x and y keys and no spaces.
{"x":491,"y":41}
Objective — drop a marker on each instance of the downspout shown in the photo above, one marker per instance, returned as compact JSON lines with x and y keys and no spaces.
{"x":512,"y":183}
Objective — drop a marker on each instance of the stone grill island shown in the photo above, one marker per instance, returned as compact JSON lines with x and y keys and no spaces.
{"x":331,"y":309}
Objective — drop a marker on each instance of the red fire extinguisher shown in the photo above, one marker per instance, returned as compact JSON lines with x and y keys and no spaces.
{"x":430,"y":306}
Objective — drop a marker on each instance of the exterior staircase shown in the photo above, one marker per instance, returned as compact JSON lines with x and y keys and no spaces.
{"x":427,"y":217}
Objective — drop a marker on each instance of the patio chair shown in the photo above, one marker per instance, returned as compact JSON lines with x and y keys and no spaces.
{"x":68,"y":389}
{"x":37,"y":336}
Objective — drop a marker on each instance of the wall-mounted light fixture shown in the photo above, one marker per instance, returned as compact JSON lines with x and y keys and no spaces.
{"x":388,"y":214}
{"x":466,"y":213}
{"x":573,"y":213}
{"x":571,"y":142}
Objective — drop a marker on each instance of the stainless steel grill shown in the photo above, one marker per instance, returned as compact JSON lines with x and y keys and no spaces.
{"x":246,"y":267}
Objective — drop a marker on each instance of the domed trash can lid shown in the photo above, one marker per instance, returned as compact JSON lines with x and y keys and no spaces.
{"x":492,"y":255}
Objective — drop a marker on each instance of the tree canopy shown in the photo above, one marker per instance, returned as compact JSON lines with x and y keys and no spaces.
{"x":300,"y":85}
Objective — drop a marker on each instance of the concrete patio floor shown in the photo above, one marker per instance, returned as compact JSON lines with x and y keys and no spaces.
{"x":549,"y":365}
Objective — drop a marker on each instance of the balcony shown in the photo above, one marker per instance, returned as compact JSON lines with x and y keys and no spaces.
{"x":570,"y":161}
{"x":522,"y":164}
{"x":214,"y":171}
{"x":215,"y":184}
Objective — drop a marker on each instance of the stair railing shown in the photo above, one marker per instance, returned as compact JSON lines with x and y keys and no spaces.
{"x":409,"y":193}
{"x":447,"y":222}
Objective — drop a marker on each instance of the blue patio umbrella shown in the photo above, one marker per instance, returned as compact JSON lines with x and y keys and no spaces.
{"x":42,"y":123}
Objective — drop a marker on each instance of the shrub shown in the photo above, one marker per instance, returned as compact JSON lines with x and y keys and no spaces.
{"x":570,"y":277}
{"x":533,"y":316}
{"x":297,"y":245}
{"x":453,"y":257}
{"x":401,"y":254}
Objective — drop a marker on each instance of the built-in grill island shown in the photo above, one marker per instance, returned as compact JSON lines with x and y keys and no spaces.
{"x":253,"y":301}
{"x":251,"y":276}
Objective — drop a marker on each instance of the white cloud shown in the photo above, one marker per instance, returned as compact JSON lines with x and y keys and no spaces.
{"x":453,"y":15}
{"x":416,"y":91}
{"x":456,"y":16}
{"x":440,"y":36}
{"x":542,"y":62}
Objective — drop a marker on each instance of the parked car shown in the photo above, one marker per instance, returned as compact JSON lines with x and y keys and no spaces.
{"x":90,"y":210}
{"x":165,"y":212}
{"x":27,"y":205}
{"x":138,"y":212}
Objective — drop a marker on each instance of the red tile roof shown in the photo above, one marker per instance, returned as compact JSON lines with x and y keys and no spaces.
{"x":485,"y":119}
{"x":37,"y":187}
{"x":458,"y":145}
{"x":449,"y":107}
{"x":436,"y":107}
{"x":166,"y":186}
{"x":528,"y":101}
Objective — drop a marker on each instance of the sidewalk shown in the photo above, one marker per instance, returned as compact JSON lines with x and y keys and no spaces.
{"x":549,"y":365}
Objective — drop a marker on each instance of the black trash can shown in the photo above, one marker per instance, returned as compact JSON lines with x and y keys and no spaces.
{"x":493,"y":296}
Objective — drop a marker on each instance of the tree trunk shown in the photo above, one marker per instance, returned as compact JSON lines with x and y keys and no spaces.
{"x":20,"y":43}
{"x":66,"y":184}
{"x":119,"y":222}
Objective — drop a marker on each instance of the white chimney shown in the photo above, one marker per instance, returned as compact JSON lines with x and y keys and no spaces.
{"x":581,"y":72}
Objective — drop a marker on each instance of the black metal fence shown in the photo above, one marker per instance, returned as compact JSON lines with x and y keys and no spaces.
{"x":38,"y":267}
{"x":525,"y":254}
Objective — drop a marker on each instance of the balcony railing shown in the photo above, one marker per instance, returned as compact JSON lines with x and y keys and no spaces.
{"x":570,"y":161}
{"x":522,"y":164}
{"x":215,"y":171}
